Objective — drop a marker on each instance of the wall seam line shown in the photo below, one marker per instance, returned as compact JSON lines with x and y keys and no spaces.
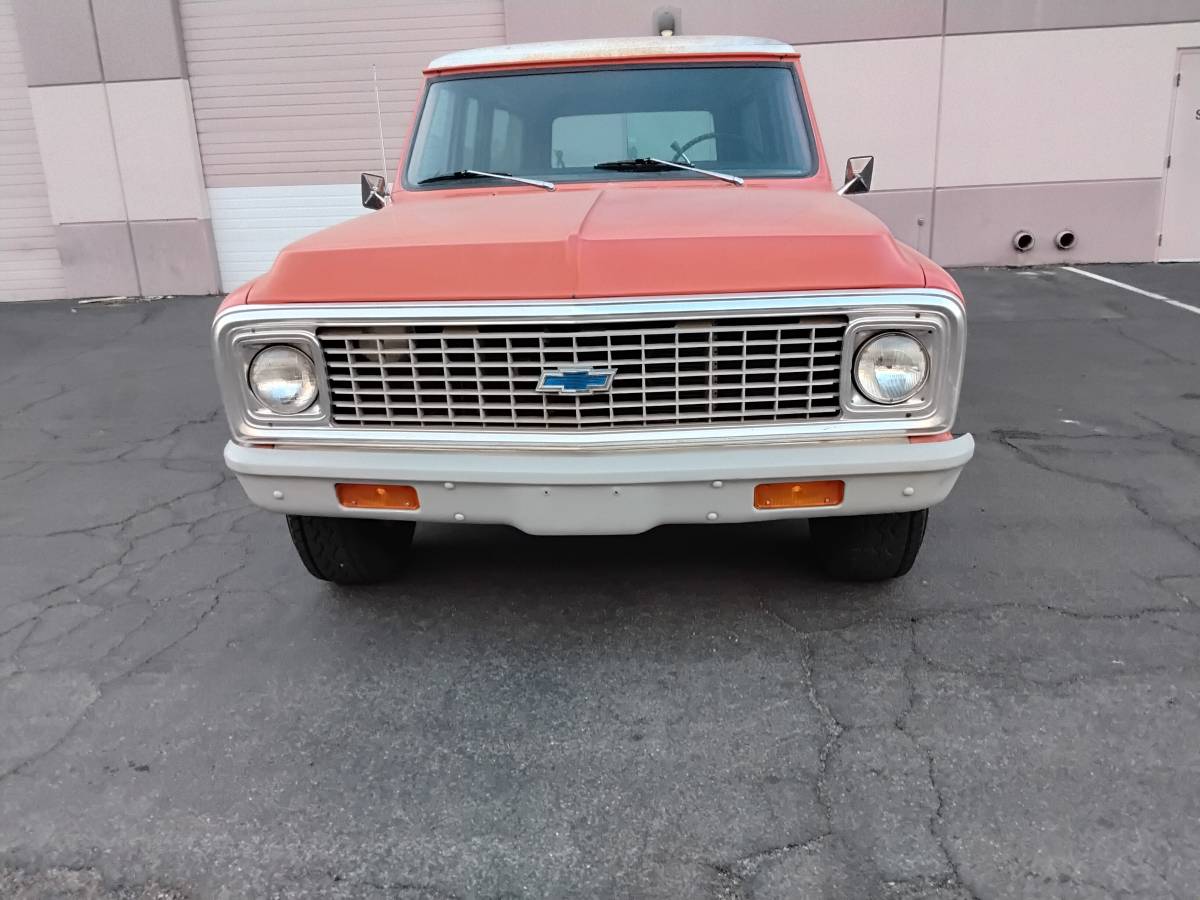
{"x":1023,"y":184}
{"x":958,"y":34}
{"x":937,"y":131}
{"x":96,"y":41}
{"x":1072,"y":27}
{"x":112,"y":130}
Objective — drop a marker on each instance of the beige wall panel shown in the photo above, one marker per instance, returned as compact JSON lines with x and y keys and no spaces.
{"x":1115,"y":221}
{"x":796,"y":21}
{"x":906,"y":213}
{"x":58,"y":41}
{"x":175,"y":257}
{"x":966,"y":16}
{"x":139,"y":39}
{"x":1058,"y":105}
{"x":29,"y":265}
{"x":98,"y":260}
{"x":82,"y":177}
{"x":156,"y":149}
{"x":282,"y":88}
{"x":881,"y":98}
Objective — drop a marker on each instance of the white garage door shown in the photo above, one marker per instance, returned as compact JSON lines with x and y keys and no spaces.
{"x":285,"y":109}
{"x":29,"y":263}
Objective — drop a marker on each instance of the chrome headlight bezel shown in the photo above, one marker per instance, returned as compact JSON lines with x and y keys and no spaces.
{"x":241,"y":353}
{"x":941,"y":337}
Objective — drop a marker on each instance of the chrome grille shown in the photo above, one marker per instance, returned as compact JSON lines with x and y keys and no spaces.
{"x":668,"y":372}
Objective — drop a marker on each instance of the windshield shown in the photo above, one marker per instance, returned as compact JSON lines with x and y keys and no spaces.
{"x":557,"y":126}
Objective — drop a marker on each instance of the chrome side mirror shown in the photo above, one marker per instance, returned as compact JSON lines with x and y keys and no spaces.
{"x":374,"y":191}
{"x":859,"y":170}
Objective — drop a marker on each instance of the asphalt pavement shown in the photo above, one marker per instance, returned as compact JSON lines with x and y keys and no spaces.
{"x":694,"y":712}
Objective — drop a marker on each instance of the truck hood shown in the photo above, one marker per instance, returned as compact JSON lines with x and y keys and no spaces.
{"x":593,"y":241}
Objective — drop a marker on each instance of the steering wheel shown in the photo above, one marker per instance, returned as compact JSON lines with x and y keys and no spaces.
{"x":681,"y":151}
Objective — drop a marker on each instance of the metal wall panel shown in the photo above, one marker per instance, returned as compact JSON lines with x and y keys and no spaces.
{"x":251,"y":224}
{"x":282,"y":88}
{"x":285,"y":106}
{"x":795,"y":21}
{"x":1087,"y":104}
{"x":971,"y":16}
{"x":30,"y":268}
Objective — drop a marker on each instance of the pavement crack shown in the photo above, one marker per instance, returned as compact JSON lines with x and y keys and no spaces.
{"x":1151,"y":347}
{"x":62,"y":389}
{"x":937,"y":827}
{"x":399,"y":888}
{"x":1133,"y":616}
{"x":122,"y":522}
{"x":735,"y":876}
{"x":208,"y":419}
{"x":29,"y":467}
{"x":937,"y":819}
{"x":833,"y":728}
{"x":1130,"y":493}
{"x":100,"y":688}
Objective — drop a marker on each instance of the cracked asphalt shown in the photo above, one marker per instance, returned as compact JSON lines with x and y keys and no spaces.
{"x":695,"y":712}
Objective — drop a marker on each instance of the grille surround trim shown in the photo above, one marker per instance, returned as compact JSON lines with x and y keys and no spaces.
{"x":239,"y":330}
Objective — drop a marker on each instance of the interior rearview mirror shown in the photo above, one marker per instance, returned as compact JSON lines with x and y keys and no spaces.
{"x":374,"y":191}
{"x":859,"y":170}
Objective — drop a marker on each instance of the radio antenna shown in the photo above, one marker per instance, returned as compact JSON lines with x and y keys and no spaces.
{"x":379,"y":118}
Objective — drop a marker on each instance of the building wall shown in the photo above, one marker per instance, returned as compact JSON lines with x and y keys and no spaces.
{"x":985,"y":116}
{"x":30,"y":268}
{"x":177,"y":138}
{"x":112,"y":111}
{"x":285,"y":106}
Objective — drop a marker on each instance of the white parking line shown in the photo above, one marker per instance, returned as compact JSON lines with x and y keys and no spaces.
{"x":1136,"y":290}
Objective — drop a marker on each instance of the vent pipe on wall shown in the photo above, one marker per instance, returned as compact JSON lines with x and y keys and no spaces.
{"x":1023,"y":241}
{"x":1065,"y":239}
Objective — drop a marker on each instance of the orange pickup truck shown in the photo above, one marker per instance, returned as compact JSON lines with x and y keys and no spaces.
{"x":612,"y":287}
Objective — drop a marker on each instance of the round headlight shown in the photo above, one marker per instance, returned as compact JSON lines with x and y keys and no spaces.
{"x":891,"y":368}
{"x":283,"y":379}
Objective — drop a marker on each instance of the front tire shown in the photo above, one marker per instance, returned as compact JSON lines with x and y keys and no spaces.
{"x":868,"y":548}
{"x":351,"y":551}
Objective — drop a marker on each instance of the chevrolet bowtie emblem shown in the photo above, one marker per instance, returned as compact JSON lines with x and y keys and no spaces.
{"x":575,"y":381}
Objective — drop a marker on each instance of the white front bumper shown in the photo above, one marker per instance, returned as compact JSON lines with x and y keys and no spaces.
{"x":604,"y":493}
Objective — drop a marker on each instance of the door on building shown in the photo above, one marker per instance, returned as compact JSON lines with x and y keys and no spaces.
{"x":1181,"y":191}
{"x":285,"y":111}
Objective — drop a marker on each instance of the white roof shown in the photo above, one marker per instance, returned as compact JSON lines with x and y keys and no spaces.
{"x":610,"y":48}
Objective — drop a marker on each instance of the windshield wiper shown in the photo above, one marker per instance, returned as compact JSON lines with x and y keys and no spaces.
{"x":651,"y":164}
{"x":475,"y":173}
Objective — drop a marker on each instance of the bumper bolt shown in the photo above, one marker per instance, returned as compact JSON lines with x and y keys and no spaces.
{"x":712,"y":517}
{"x":908,"y":492}
{"x":718,"y":484}
{"x":278,"y":495}
{"x":459,"y":517}
{"x":449,"y":485}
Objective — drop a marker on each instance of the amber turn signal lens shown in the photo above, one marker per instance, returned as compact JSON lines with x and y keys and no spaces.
{"x":930,"y":438}
{"x":377,"y":496}
{"x":797,"y":494}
